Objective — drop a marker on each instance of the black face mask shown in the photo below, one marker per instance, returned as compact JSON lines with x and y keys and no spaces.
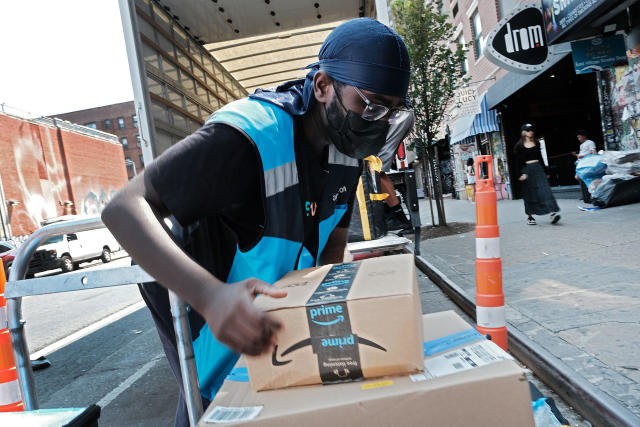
{"x":352,"y":135}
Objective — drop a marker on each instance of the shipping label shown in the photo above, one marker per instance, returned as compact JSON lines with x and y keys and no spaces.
{"x":468,"y":357}
{"x":226,"y":414}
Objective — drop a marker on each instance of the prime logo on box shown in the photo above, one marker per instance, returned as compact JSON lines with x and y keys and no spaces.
{"x":331,"y":337}
{"x":518,"y":43}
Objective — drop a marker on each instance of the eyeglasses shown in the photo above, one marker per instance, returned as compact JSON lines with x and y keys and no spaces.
{"x":373,"y":112}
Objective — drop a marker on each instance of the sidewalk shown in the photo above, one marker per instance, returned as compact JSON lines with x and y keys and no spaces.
{"x":574,"y":288}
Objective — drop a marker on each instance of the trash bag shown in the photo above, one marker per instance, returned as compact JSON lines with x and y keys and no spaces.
{"x":616,"y":190}
{"x":590,"y":168}
{"x":622,"y":162}
{"x":542,"y":414}
{"x":368,"y":218}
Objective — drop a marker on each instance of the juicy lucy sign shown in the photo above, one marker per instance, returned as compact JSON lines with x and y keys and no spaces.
{"x":518,"y":42}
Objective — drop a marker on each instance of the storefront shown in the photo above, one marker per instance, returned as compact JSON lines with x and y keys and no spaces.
{"x":556,"y":102}
{"x":475,"y":135}
{"x":619,"y":86}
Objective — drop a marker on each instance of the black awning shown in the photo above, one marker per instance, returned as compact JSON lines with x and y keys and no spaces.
{"x":513,"y":82}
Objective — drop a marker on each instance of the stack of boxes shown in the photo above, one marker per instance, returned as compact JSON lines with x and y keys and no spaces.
{"x":355,"y":338}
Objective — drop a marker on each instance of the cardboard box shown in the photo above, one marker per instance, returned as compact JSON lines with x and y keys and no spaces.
{"x":343,"y":322}
{"x":496,"y":394}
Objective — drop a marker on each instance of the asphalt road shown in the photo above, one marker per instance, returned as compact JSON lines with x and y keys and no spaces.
{"x":53,"y":317}
{"x":104,"y":349}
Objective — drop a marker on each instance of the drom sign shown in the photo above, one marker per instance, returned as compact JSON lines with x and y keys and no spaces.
{"x":518,"y":43}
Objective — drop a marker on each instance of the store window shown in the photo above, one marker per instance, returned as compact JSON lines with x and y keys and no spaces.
{"x":135,"y":121}
{"x":91,"y":125}
{"x":120,"y":122}
{"x":107,"y":123}
{"x":478,"y":41}
{"x":465,"y":64}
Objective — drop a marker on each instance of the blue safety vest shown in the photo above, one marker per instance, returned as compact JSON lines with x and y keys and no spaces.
{"x":280,"y":249}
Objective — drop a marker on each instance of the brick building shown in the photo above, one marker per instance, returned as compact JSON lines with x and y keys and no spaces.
{"x":50,"y":168}
{"x":481,"y":133}
{"x":117,"y":119}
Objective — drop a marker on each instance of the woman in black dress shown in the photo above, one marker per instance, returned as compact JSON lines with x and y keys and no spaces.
{"x":536,"y":192}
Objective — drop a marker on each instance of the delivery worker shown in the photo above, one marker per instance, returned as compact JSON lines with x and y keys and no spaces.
{"x":264,"y":187}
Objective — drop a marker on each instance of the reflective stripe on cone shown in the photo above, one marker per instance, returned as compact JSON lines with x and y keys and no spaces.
{"x":490,"y":317}
{"x":10,"y":393}
{"x":487,"y":247}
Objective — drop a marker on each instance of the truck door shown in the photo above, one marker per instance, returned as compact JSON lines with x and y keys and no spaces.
{"x":76,"y":250}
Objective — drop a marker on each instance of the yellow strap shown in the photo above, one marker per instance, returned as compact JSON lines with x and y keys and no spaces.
{"x":362,"y":205}
{"x":375,"y":164}
{"x":377,"y":197}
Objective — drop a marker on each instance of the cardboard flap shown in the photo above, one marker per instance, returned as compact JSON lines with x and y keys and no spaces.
{"x":376,"y":278}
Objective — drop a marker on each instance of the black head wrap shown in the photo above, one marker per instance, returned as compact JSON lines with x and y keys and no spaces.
{"x":361,"y":52}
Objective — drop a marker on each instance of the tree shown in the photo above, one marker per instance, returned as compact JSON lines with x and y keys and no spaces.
{"x":436,"y":71}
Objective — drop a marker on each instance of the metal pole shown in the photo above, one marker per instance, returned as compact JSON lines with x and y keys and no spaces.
{"x":606,"y":121}
{"x":15,"y":322}
{"x":4,"y":214}
{"x":187,"y":360}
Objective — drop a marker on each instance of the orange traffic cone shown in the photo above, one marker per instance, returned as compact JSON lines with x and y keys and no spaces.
{"x":489,"y":296}
{"x":10,"y":397}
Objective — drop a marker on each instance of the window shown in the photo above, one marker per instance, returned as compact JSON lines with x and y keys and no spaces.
{"x":138,"y":141}
{"x":55,"y":239}
{"x":91,"y":125}
{"x":120,"y":122}
{"x":127,"y":161}
{"x":478,"y":41}
{"x":125,"y":143}
{"x":135,"y":121}
{"x":107,"y":124}
{"x":465,"y":64}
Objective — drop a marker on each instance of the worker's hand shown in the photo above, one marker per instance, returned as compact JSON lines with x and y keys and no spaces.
{"x":237,"y":322}
{"x":523,"y":177}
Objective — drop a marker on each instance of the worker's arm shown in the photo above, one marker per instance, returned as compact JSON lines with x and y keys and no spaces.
{"x":333,"y":252}
{"x":135,"y":217}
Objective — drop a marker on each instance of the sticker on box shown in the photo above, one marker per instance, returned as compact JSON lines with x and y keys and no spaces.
{"x":462,"y":359}
{"x":227,"y":414}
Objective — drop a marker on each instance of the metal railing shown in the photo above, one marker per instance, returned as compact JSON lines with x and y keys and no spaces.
{"x":18,"y":287}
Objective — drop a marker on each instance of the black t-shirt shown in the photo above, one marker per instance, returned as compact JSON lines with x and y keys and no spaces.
{"x":211,"y":183}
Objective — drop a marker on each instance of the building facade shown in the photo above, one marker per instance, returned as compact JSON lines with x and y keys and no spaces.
{"x":556,"y":100}
{"x":50,"y":168}
{"x":472,"y":133}
{"x":117,"y":119}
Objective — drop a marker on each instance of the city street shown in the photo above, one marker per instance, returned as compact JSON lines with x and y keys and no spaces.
{"x":574,"y":288}
{"x":53,"y":317}
{"x":104,"y":349}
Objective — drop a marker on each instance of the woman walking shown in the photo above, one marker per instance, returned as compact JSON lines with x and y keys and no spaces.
{"x":536,"y":192}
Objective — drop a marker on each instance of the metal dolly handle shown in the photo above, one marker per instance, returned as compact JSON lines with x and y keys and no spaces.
{"x":18,"y":287}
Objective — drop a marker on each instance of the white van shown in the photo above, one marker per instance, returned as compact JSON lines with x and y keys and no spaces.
{"x":67,"y":251}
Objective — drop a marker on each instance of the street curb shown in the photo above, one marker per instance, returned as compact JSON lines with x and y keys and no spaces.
{"x":594,"y":405}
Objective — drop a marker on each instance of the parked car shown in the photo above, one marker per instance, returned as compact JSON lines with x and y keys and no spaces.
{"x":69,"y":250}
{"x":7,"y":253}
{"x":41,"y":260}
